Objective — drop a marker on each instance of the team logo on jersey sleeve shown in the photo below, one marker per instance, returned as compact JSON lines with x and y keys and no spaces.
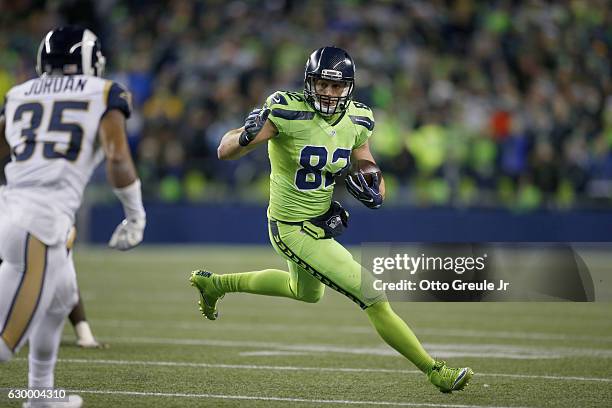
{"x":128,"y":98}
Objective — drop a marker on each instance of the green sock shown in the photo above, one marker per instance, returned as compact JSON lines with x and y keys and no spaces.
{"x":271,"y":282}
{"x":396,"y":333}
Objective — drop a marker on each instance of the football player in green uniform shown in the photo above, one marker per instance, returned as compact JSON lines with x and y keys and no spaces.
{"x":312,"y":137}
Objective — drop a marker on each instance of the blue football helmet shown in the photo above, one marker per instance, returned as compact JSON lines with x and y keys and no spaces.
{"x":333,"y":64}
{"x":70,"y":50}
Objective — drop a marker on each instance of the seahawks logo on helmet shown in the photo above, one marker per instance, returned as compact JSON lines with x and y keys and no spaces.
{"x":333,"y":64}
{"x":70,"y":50}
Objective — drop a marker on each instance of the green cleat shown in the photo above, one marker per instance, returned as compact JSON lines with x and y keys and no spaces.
{"x":449,"y":379}
{"x":209,"y":294}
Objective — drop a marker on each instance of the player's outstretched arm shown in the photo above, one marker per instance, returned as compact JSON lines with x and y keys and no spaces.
{"x":122,"y":176}
{"x":363,"y":153}
{"x":120,"y":169}
{"x":238,"y":142}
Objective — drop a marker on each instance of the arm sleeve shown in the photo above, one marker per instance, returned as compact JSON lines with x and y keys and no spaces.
{"x":365,"y":125}
{"x":277,"y":102}
{"x":119,"y":98}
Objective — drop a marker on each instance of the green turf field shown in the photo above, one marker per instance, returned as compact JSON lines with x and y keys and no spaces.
{"x":267,"y":352}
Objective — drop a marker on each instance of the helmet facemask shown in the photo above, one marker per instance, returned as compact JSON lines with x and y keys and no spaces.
{"x":328,"y":105}
{"x":93,"y":61}
{"x":100,"y":64}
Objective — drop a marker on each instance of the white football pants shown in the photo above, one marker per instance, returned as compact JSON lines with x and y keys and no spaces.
{"x":37,"y":291}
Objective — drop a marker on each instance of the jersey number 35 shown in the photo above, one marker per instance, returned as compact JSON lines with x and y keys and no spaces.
{"x":55,"y":125}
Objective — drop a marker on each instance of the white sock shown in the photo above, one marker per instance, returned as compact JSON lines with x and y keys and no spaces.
{"x":40,"y":374}
{"x":83,"y":332}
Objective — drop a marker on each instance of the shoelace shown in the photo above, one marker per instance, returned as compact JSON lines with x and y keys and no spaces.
{"x":445,"y":373}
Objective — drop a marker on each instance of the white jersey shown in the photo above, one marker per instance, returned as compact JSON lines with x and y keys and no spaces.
{"x":51,"y":127}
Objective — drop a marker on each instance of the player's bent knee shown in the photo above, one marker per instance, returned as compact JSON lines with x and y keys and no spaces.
{"x":311,"y":297}
{"x":379,"y":307}
{"x":5,"y":353}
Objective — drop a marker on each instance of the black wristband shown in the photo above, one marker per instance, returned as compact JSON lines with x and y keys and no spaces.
{"x":244,"y":140}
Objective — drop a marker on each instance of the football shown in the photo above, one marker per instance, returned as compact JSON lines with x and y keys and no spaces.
{"x":368,"y":169}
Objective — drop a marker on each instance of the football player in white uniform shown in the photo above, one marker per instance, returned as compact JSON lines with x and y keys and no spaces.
{"x":82,"y":330}
{"x":57,"y":128}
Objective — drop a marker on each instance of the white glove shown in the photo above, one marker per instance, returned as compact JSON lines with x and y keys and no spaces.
{"x":128,"y":234}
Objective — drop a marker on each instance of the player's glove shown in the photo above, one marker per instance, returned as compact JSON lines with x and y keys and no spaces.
{"x":128,"y":234}
{"x":369,"y":196}
{"x":252,"y":125}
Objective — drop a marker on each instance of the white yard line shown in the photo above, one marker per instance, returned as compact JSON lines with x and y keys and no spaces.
{"x":451,"y":332}
{"x":300,"y":368}
{"x":267,"y":353}
{"x":440,"y":350}
{"x":514,"y":335}
{"x":282,"y":399}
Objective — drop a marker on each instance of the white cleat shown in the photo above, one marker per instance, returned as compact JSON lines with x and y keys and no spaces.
{"x":74,"y":401}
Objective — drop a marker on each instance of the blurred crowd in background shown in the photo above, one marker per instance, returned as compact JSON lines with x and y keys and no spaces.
{"x":477,"y":103}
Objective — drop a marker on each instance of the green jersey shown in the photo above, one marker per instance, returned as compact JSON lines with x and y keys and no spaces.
{"x":308,"y":153}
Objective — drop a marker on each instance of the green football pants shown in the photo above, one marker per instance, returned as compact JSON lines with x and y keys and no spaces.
{"x":316,"y":263}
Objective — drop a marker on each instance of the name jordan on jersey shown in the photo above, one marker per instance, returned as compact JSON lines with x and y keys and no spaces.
{"x":56,"y":84}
